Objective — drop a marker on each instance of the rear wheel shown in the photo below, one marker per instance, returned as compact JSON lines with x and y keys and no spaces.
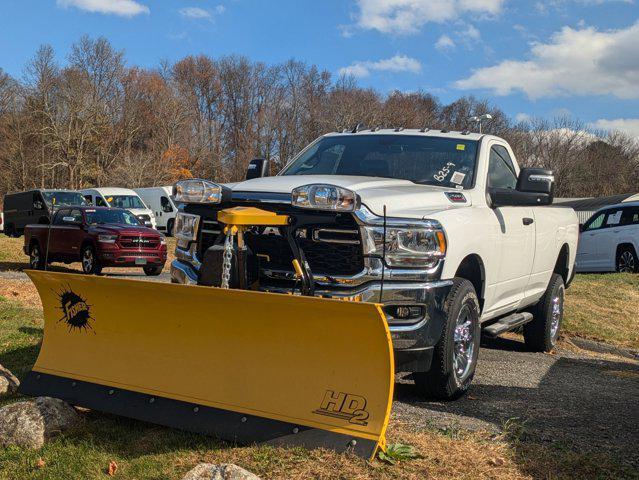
{"x":627,"y":260}
{"x":542,"y":333}
{"x":152,"y":271}
{"x":169,"y":228}
{"x":36,"y":259}
{"x":10,"y":230}
{"x":455,"y":355}
{"x":90,"y":264}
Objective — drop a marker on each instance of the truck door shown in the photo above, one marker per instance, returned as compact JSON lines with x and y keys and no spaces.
{"x":516,"y":234}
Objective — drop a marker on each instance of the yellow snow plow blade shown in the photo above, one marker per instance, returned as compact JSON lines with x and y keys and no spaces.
{"x":247,"y":367}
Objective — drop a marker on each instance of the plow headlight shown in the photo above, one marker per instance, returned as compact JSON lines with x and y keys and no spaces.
{"x":414,"y":246}
{"x":325,"y":197}
{"x":185,"y":228}
{"x":195,"y":190}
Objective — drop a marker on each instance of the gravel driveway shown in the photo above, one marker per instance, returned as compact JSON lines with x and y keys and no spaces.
{"x":582,"y":401}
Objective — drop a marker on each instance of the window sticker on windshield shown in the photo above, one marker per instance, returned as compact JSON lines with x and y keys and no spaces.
{"x":443,"y":173}
{"x":461,"y":146}
{"x":458,"y":178}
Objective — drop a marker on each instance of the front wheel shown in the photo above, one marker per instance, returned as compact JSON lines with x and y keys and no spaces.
{"x":90,"y":264}
{"x":541,"y":334}
{"x":152,"y":271}
{"x":169,"y":228}
{"x":36,"y":259}
{"x":455,"y":355}
{"x":627,"y":260}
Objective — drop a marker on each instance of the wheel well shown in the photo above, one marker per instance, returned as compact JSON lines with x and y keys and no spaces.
{"x":625,"y":245}
{"x":562,"y":266}
{"x":472,"y":269}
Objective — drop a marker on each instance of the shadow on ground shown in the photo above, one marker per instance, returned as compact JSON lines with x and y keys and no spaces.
{"x":584,"y":403}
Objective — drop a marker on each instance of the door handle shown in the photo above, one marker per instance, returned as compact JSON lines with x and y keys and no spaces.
{"x":527,"y":220}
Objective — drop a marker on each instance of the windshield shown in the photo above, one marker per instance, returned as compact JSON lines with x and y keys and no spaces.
{"x":443,"y":162}
{"x":124,"y":201}
{"x":99,"y":217}
{"x":63,"y":198}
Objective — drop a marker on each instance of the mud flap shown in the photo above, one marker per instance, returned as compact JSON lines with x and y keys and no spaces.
{"x":247,"y":367}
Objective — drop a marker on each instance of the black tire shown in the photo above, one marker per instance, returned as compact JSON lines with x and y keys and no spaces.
{"x":36,"y":258}
{"x":10,"y":231}
{"x":542,"y":333}
{"x":89,"y":259}
{"x":152,"y":271}
{"x":444,"y":380}
{"x":626,"y":260}
{"x":169,"y":228}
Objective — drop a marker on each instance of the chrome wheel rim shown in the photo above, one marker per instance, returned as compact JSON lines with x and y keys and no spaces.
{"x":35,"y":257}
{"x":626,"y":262}
{"x":556,"y":314}
{"x":463,"y":343}
{"x":87,"y":260}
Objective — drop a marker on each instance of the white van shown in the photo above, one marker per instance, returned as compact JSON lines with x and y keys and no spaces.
{"x":159,"y":200}
{"x":120,"y":198}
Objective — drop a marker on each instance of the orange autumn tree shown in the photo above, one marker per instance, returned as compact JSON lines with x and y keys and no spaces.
{"x":176,"y":158}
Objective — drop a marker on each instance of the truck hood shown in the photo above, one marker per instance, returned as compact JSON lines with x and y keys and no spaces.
{"x":117,"y":229}
{"x":401,"y":197}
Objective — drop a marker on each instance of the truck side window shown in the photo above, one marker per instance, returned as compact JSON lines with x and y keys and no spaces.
{"x":60,"y":215}
{"x":99,"y":202}
{"x":501,"y":172}
{"x":596,"y":222}
{"x":77,"y":215}
{"x":166,"y":205}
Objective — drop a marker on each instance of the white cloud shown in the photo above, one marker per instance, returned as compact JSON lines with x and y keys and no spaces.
{"x":199,"y":13}
{"x":575,"y":62}
{"x":408,"y":16}
{"x":523,"y":117}
{"x":629,"y":126}
{"x":445,"y":43}
{"x":398,"y":63}
{"x":123,"y":8}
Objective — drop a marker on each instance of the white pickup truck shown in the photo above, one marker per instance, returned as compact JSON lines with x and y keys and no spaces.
{"x":442,"y":228}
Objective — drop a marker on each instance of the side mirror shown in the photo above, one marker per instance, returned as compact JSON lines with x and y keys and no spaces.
{"x":581,"y":227}
{"x":535,"y":186}
{"x":537,"y":180}
{"x":257,"y":168}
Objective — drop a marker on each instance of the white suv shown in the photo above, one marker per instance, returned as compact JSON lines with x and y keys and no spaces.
{"x":609,"y":240}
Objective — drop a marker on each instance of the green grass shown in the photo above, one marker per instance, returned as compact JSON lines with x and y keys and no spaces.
{"x":604,"y":307}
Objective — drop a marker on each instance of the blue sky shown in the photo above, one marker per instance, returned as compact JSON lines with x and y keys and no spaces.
{"x":541,"y":58}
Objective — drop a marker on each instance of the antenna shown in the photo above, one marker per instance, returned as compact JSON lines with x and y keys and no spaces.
{"x":381,"y":283}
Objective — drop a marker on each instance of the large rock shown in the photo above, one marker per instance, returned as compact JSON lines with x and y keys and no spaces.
{"x":8,"y":382}
{"x":223,"y":471}
{"x":30,"y":424}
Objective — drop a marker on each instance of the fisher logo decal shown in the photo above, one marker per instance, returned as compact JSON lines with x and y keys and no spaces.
{"x":76,"y":312}
{"x":345,"y":406}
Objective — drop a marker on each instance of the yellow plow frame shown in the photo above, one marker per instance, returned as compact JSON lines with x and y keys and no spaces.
{"x":245,"y":366}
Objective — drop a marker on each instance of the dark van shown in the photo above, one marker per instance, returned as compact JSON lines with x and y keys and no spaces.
{"x":35,"y":206}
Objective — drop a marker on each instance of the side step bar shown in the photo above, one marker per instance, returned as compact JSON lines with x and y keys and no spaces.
{"x":508,"y":323}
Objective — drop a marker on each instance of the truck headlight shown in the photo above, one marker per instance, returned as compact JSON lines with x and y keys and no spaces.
{"x":195,"y":190}
{"x":325,"y":197}
{"x":185,"y":228}
{"x":107,"y":238}
{"x":412,"y":246}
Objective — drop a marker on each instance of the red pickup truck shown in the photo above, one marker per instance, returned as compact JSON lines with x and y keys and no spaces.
{"x":97,"y":237}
